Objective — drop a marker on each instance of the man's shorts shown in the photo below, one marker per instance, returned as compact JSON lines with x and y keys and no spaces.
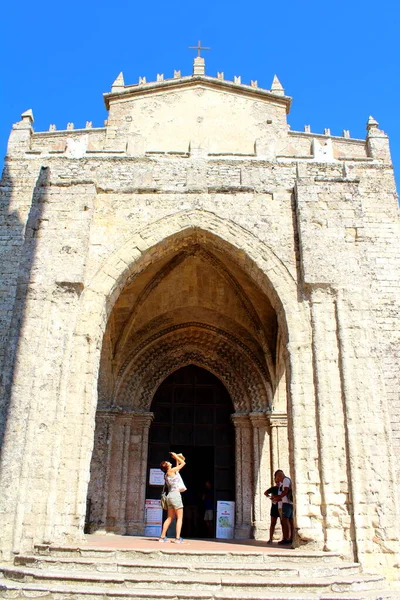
{"x":209,"y":515}
{"x":274,"y":512}
{"x":174,"y":500}
{"x":287,"y":510}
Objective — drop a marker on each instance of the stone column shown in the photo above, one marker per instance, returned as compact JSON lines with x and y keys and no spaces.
{"x":126,"y":424}
{"x":244,"y":476}
{"x":125,"y":472}
{"x":137,"y":473}
{"x":115,"y":466}
{"x":279,"y":443}
{"x":100,"y":472}
{"x":329,"y":416}
{"x":261,"y":474}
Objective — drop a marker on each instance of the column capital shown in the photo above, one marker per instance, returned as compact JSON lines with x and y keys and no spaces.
{"x":259,"y":419}
{"x":277,"y":419}
{"x":105,"y":417}
{"x":141,"y":419}
{"x":129,"y":417}
{"x":240,"y":420}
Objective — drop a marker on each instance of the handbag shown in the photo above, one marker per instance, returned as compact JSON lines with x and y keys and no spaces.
{"x":163,"y":500}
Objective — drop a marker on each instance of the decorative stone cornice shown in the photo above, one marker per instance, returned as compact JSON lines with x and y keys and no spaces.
{"x":144,"y":89}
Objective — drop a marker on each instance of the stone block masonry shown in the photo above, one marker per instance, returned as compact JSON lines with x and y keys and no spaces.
{"x":195,"y":227}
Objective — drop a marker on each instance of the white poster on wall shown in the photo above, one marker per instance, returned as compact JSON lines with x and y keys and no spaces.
{"x":156,"y":477}
{"x":225,"y":519}
{"x":153,"y":518}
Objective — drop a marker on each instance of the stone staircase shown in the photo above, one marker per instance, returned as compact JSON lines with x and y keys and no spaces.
{"x":179,"y":573}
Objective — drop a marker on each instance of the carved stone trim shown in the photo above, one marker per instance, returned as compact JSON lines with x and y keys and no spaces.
{"x":237,"y":369}
{"x":192,"y":324}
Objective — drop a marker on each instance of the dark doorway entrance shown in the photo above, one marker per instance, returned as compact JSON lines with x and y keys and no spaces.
{"x":192,"y":412}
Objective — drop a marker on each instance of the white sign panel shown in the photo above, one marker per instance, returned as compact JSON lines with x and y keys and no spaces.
{"x":156,"y":477}
{"x":225,"y":519}
{"x":153,"y":518}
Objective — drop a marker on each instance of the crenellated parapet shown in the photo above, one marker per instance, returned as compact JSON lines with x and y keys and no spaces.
{"x":185,"y":115}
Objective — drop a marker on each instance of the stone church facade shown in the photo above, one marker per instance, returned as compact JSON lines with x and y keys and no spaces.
{"x":196,"y":236}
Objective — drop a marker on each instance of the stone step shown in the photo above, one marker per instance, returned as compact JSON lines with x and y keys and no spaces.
{"x":11,"y":590}
{"x":161,"y":568}
{"x":208,"y":582}
{"x":184,"y":555}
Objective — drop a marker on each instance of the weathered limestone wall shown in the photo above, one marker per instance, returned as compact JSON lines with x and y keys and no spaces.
{"x":379,"y":233}
{"x":140,"y":122}
{"x":92,"y":209}
{"x":69,"y":142}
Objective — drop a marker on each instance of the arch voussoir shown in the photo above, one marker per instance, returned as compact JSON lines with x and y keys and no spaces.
{"x":205,"y":347}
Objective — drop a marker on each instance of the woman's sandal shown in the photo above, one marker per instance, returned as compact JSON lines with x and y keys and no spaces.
{"x":163,"y":540}
{"x":178,"y":541}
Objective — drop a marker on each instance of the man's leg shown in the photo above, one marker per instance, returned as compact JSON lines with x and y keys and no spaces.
{"x":287,"y":516}
{"x":272,"y":528}
{"x":285,"y":528}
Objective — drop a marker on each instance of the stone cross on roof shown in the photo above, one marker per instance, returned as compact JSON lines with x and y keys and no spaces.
{"x":199,"y":47}
{"x":199,"y":65}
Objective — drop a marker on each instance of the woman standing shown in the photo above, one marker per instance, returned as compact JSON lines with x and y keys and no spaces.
{"x":175,"y":486}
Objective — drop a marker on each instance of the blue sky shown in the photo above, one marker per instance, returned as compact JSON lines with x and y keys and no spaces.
{"x":338,"y":60}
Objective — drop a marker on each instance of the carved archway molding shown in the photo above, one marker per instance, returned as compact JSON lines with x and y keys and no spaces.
{"x":205,"y":346}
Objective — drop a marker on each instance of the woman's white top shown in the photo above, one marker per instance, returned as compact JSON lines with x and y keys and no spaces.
{"x":175,"y":483}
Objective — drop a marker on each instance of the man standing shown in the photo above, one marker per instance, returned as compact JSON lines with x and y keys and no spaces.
{"x":274,"y":512}
{"x":284,"y":497}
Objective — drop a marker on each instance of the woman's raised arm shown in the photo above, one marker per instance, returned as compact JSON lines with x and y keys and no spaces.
{"x":179,"y":462}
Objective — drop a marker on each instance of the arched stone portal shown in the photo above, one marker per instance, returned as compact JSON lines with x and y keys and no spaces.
{"x":98,"y":350}
{"x":192,"y":305}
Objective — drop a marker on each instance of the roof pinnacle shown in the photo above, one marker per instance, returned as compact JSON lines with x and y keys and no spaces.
{"x":372,"y":124}
{"x":119,"y":83}
{"x":27,"y":116}
{"x":276,"y":87}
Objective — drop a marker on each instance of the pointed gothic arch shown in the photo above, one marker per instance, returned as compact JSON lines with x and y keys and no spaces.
{"x":252,"y":255}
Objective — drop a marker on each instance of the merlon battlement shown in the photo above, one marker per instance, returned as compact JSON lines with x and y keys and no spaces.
{"x":198,"y":116}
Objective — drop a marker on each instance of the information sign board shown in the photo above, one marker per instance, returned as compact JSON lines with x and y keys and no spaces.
{"x":225,"y":519}
{"x":156,"y":477}
{"x":153,"y":518}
